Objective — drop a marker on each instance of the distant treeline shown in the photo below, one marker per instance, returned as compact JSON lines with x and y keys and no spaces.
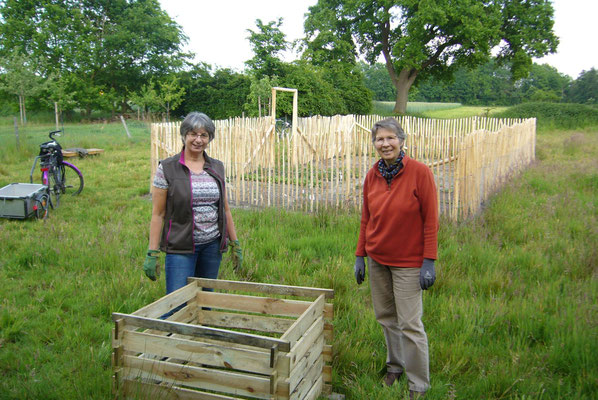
{"x":491,"y":84}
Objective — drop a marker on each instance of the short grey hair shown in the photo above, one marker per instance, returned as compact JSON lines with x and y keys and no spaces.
{"x":195,"y":121}
{"x":390,"y":124}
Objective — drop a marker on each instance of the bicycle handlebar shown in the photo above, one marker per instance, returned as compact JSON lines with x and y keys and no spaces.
{"x":57,"y":133}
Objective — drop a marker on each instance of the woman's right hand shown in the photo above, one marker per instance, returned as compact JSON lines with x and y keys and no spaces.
{"x":359,"y":270}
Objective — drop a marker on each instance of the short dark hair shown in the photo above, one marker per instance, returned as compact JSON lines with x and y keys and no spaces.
{"x":390,"y":124}
{"x":195,"y":121}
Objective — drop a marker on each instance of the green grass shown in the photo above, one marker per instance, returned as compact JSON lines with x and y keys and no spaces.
{"x":413,"y":107}
{"x":463,"y":112}
{"x":512,"y":315}
{"x":438,"y":110}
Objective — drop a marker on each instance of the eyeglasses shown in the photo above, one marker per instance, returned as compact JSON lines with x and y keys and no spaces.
{"x":380,"y":141}
{"x":202,"y":136}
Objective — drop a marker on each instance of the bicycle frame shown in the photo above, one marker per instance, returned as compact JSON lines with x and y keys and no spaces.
{"x":55,"y":172}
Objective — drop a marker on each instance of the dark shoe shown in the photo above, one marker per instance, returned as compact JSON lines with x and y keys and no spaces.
{"x":413,"y":395}
{"x":391,"y":377}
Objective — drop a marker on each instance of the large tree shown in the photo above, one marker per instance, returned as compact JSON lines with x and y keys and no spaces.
{"x":432,"y":37}
{"x":98,"y":46}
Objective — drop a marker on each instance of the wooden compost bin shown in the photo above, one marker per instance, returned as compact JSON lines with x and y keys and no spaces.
{"x":223,"y":345}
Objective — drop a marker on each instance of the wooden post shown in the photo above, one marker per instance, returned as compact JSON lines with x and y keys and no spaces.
{"x":273,"y":113}
{"x":56,"y":113}
{"x":125,"y":125}
{"x":17,"y":133}
{"x":294,"y":112}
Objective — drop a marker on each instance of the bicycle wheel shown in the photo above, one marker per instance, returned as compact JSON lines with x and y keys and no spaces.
{"x":55,"y":183}
{"x":49,"y":180}
{"x":72,"y":179}
{"x":41,"y":207}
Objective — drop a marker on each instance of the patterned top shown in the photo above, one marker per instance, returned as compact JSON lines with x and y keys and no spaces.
{"x":205,"y":204}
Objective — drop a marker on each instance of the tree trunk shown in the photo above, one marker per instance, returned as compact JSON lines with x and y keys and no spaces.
{"x":21,"y":109}
{"x":403,"y":83}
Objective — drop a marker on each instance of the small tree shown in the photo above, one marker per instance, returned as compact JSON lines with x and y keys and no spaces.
{"x":60,"y":95}
{"x":259,"y":93}
{"x":21,"y":80}
{"x":146,"y":98}
{"x":170,"y":94}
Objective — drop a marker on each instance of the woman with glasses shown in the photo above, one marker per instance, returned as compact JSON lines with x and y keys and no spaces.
{"x":191,"y":220}
{"x":398,"y":235}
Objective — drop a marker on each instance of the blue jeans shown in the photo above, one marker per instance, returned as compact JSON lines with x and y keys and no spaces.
{"x":203,"y":263}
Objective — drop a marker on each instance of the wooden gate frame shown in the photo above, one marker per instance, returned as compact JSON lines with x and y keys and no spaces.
{"x":273,"y":113}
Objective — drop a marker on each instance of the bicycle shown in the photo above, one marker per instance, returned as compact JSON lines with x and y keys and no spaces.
{"x":61,"y":177}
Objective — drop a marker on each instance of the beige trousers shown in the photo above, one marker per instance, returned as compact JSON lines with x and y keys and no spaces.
{"x":397,"y":300}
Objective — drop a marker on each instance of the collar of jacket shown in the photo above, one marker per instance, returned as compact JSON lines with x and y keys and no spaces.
{"x":405,"y":162}
{"x":207,"y":159}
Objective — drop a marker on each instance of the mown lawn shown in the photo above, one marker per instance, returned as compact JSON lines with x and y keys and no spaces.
{"x":512,"y":316}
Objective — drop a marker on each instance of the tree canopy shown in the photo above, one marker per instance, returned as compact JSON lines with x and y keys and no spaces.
{"x":95,"y":46}
{"x":585,"y":88}
{"x":432,"y":37}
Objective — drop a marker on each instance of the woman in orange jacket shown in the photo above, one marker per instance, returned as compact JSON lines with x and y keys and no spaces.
{"x":398,"y":235}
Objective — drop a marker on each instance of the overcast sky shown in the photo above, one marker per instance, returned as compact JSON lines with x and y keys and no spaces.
{"x":217,"y":30}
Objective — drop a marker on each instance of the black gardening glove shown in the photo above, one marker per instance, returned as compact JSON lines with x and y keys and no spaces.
{"x":359,"y":270}
{"x":427,"y":274}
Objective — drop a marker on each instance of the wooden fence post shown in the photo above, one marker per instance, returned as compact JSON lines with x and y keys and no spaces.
{"x":125,"y":125}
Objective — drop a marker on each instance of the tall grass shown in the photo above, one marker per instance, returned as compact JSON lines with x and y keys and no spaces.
{"x":512,"y":314}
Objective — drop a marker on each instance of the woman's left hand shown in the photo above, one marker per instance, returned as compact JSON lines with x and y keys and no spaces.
{"x":427,"y":274}
{"x":236,"y":254}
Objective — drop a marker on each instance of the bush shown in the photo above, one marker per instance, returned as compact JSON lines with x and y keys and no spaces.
{"x":555,"y":115}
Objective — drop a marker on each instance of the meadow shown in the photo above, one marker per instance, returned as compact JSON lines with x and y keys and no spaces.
{"x":512,"y":314}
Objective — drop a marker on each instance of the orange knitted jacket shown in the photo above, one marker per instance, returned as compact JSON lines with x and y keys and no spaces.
{"x":399,"y":223}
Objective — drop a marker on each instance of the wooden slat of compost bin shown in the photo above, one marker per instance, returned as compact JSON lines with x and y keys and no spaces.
{"x":314,"y":311}
{"x":243,"y":321}
{"x":316,"y":391}
{"x":327,"y":373}
{"x":197,"y":377}
{"x":256,"y":304}
{"x":328,"y":331}
{"x":306,"y":362}
{"x":146,"y":390}
{"x":306,"y":341}
{"x":201,"y":331}
{"x":168,"y":302}
{"x":309,"y":379}
{"x":198,"y":352}
{"x":266,"y":288}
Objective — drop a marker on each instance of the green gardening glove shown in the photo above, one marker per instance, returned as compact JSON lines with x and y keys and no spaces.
{"x":236,"y":254}
{"x":150,"y":266}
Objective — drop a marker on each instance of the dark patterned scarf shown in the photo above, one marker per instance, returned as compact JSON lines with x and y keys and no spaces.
{"x":389,"y":172}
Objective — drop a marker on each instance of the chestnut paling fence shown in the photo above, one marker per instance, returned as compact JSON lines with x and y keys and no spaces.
{"x":323,"y":164}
